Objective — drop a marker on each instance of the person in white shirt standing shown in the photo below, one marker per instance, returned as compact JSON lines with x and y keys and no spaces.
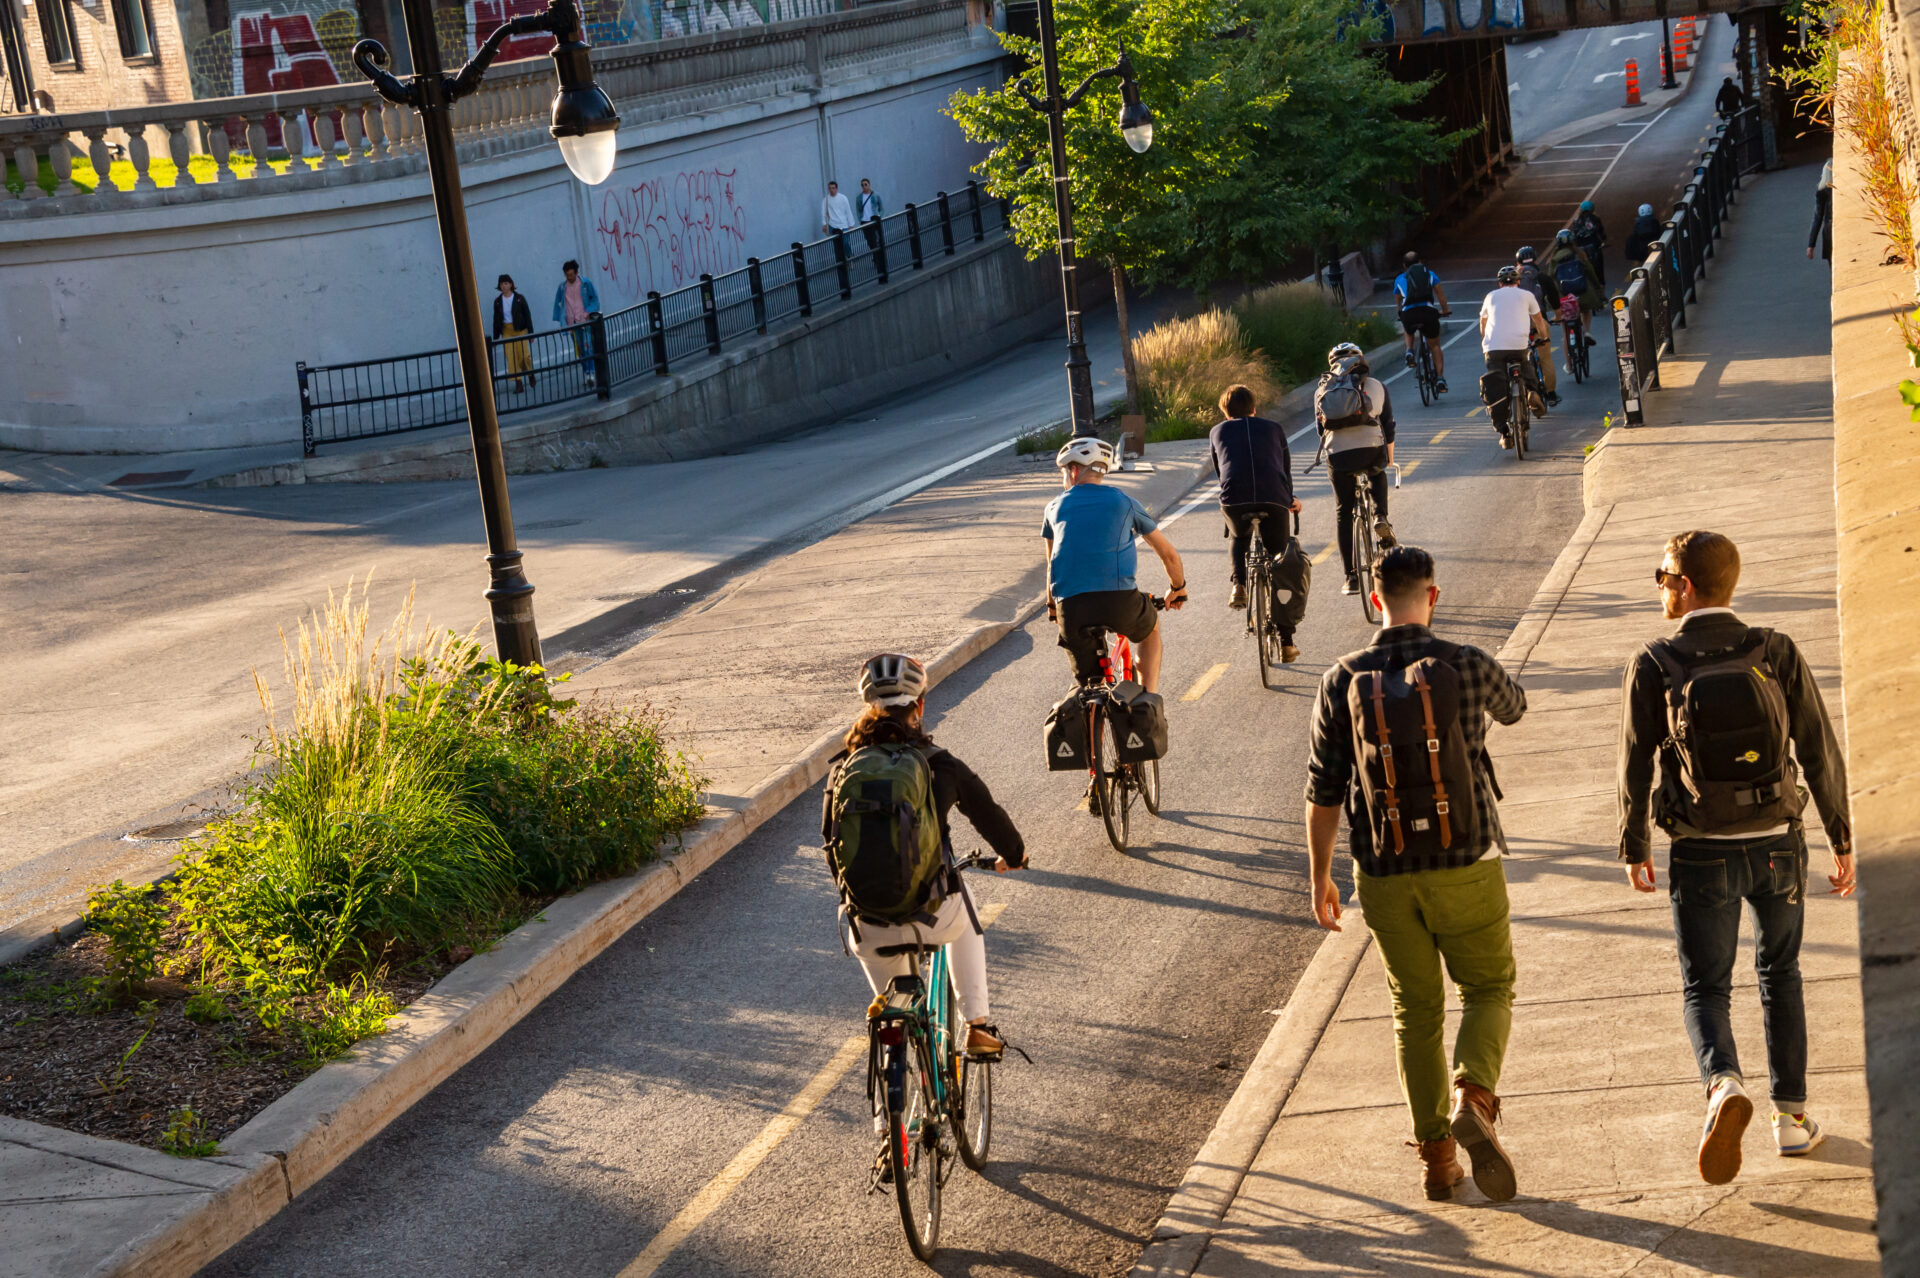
{"x":836,"y":211}
{"x":1510,"y":323}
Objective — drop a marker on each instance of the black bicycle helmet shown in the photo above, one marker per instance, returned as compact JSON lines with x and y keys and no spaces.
{"x":1526,"y":254}
{"x":1509,"y":275}
{"x":892,"y":679}
{"x":1564,"y":237}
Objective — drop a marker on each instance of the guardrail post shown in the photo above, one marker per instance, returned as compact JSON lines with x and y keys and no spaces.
{"x":710,"y":313}
{"x":306,"y":412}
{"x":913,"y":236}
{"x":657,"y":327}
{"x":759,"y":289}
{"x":1676,"y":291}
{"x":1623,"y":355}
{"x":946,"y":224}
{"x":973,"y":207}
{"x":801,"y":291}
{"x":602,"y":374}
{"x":879,"y":250}
{"x":840,"y":262}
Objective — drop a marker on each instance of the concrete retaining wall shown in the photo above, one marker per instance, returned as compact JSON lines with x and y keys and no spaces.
{"x":921,"y":328}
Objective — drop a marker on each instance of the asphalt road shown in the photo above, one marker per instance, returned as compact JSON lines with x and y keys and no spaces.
{"x":1570,"y":75}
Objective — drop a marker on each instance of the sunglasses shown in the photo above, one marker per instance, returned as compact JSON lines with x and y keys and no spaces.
{"x":1661,"y":577}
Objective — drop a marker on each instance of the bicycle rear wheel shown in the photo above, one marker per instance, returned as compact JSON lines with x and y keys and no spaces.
{"x":1363,"y":556}
{"x":1148,"y":776}
{"x":1521,"y":413}
{"x":1116,"y":795}
{"x":913,"y":1147}
{"x":1257,"y":598}
{"x":1423,"y":372}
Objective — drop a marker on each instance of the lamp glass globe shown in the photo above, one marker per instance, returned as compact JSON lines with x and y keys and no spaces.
{"x":590,"y":155}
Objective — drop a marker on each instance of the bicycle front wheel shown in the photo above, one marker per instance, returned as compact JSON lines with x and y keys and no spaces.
{"x":1116,"y":795}
{"x":913,"y":1148}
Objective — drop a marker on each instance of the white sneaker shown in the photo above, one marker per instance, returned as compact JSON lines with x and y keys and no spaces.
{"x":1795,"y":1136}
{"x":1729,"y":1110}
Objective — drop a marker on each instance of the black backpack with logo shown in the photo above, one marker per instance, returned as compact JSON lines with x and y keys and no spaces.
{"x":1726,"y":766}
{"x":1419,"y":286}
{"x":1415,"y":774}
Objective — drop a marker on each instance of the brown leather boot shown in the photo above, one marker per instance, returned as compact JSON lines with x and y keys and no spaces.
{"x":1475,"y":1111}
{"x":1443,"y":1170}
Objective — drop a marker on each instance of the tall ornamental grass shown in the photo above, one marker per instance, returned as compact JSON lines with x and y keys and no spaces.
{"x":1183,"y":366}
{"x":1295,"y":325}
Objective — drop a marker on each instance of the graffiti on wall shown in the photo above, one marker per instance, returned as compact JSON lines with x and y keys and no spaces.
{"x":691,"y":17}
{"x":665,"y":233}
{"x":1429,"y":17}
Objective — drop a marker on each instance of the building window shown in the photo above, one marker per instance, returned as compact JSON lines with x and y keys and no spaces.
{"x":135,"y":22}
{"x":56,"y":28}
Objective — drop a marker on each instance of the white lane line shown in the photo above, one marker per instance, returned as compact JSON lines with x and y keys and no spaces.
{"x":783,"y":1125}
{"x":1623,"y":150}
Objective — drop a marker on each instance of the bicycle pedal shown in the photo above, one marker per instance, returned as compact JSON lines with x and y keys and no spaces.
{"x":881,"y":1174}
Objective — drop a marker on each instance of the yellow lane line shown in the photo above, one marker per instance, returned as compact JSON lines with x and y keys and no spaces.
{"x":783,"y":1125}
{"x":1477,"y":410}
{"x":1327,"y":552}
{"x":1442,"y":435}
{"x":1409,"y":468}
{"x":1205,"y":681}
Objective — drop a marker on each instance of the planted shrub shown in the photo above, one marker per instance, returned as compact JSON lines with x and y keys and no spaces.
{"x":1183,"y":366}
{"x":1295,"y":325}
{"x":131,"y":922}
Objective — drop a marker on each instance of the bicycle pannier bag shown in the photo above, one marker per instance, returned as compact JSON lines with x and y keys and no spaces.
{"x":1341,"y":400}
{"x":1139,"y":723}
{"x":884,"y":843}
{"x":1570,"y":275}
{"x":1292,"y":577}
{"x":1066,"y":735}
{"x":1419,"y":286}
{"x":1415,"y":775}
{"x":1725,"y":767}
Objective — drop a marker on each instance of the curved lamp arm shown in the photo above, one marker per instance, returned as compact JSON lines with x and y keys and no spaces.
{"x":371,"y":57}
{"x":561,"y":19}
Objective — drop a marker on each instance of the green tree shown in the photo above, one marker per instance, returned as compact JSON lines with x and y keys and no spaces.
{"x":1133,"y":213}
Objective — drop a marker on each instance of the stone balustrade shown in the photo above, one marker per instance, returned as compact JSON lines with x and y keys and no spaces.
{"x":271,"y":143}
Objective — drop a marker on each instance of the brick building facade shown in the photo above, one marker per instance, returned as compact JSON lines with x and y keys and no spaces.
{"x":90,"y":55}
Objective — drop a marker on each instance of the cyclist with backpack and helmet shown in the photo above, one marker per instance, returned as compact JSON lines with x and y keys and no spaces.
{"x":1422,"y":302}
{"x":1735,"y":720}
{"x":1548,"y":297}
{"x":1510,"y":324}
{"x":1091,"y":560}
{"x":1574,"y":276}
{"x":1591,"y":236}
{"x":884,"y":820}
{"x":1355,"y":416}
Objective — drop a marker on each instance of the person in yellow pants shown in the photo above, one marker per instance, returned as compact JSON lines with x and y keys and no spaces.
{"x":512,"y":318}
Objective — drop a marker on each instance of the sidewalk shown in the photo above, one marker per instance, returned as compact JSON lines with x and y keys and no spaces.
{"x":1602,"y":1099}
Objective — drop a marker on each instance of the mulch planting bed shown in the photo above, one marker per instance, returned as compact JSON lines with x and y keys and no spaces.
{"x":65,"y":1064}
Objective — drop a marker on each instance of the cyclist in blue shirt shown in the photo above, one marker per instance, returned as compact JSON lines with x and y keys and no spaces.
{"x":1422,"y":302}
{"x":1091,"y":561}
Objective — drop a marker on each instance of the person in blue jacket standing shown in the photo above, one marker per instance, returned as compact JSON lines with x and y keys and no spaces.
{"x":576,"y":302}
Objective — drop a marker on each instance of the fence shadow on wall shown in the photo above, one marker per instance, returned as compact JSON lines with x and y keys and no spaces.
{"x":391,"y":396}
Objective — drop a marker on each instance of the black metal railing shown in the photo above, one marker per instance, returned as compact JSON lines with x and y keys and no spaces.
{"x":363,"y":400}
{"x":1659,"y":290}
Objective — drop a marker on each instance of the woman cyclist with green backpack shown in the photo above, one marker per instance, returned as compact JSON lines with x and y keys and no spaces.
{"x":884,"y":821}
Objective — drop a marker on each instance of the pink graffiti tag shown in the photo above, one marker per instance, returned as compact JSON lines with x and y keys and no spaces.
{"x":484,"y":16}
{"x":667,"y":232}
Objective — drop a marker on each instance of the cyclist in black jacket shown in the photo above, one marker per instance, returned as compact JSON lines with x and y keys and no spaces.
{"x":1256,"y":482}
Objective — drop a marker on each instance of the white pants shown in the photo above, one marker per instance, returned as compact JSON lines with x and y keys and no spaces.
{"x":952,"y":926}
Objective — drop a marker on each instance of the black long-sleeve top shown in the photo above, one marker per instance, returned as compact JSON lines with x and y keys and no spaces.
{"x":1254,"y":463}
{"x":1643,"y":727}
{"x":955,"y":785}
{"x":521,"y":318}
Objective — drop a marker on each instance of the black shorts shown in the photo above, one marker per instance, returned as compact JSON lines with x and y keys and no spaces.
{"x":1126,"y":612}
{"x":1422,"y":320}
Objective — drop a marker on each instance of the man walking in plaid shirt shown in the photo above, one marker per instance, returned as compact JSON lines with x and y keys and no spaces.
{"x":1424,"y":904}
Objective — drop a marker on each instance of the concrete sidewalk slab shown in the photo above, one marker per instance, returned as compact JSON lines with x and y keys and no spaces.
{"x":1602,"y":1098}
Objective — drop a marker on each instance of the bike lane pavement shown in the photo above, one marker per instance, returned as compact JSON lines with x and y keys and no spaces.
{"x":1602,"y":1100}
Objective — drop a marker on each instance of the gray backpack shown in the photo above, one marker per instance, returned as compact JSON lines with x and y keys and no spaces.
{"x":1341,"y":400}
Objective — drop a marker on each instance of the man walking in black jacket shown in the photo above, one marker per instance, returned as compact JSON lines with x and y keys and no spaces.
{"x":1734,"y":718}
{"x":1256,"y":484}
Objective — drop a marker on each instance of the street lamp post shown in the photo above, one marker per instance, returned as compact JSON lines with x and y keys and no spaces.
{"x":1136,"y":126}
{"x":1666,"y":60}
{"x":584,"y":122}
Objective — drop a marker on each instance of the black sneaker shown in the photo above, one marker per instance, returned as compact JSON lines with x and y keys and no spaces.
{"x":1440,"y":386}
{"x":1409,"y":359}
{"x":1353,"y":584}
{"x":1591,"y":340}
{"x":1553,"y":400}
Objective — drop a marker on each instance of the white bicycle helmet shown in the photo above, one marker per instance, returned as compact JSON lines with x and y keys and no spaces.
{"x":1085,"y":450}
{"x":1344,"y":351}
{"x":892,"y":679}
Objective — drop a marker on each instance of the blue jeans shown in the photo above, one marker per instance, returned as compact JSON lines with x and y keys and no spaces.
{"x":1708,"y":880}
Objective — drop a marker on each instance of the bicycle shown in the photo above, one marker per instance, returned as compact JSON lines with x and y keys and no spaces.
{"x":1267,"y":640}
{"x":937,"y":1102}
{"x":1423,"y":372}
{"x":1578,"y":355}
{"x":1113,"y":783}
{"x":1365,"y":516}
{"x":1519,"y":408}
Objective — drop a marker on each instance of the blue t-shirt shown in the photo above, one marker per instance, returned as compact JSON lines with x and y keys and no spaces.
{"x":1091,"y":528}
{"x":1400,"y":287}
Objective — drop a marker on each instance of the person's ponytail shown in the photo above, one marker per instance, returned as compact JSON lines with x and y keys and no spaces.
{"x":886,"y":725}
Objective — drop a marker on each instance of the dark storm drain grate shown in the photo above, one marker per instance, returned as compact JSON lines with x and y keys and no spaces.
{"x":550,"y":523}
{"x":185,"y":828}
{"x":143,"y":478}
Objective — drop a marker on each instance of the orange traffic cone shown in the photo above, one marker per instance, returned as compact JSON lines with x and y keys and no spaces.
{"x":1633,"y":83}
{"x":1682,"y":41}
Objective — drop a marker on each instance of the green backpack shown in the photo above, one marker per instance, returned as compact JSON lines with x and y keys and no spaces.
{"x":884,"y":846}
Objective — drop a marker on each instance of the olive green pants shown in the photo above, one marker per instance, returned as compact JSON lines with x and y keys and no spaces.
{"x":1418,"y":919}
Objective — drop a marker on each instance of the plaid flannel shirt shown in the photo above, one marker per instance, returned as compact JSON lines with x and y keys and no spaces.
{"x":1332,"y":779}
